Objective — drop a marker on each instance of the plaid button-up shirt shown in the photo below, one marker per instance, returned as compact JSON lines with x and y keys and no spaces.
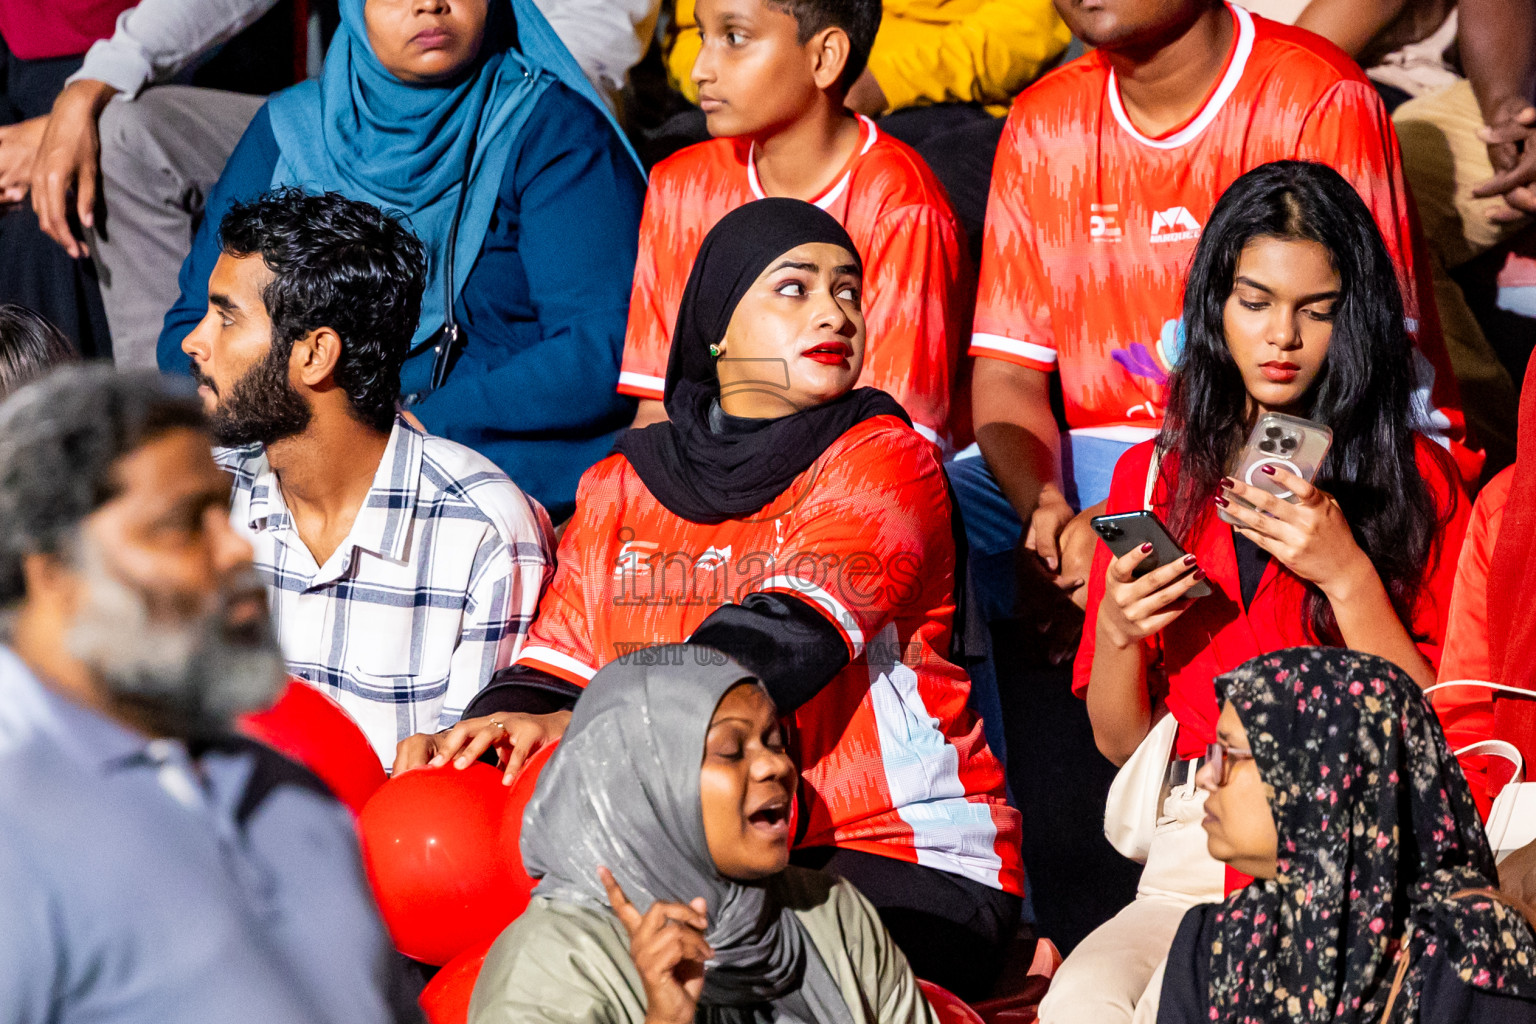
{"x":431,"y":591}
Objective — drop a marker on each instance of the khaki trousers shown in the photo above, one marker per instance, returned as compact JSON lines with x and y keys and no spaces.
{"x":1443,"y":160}
{"x":160,"y":157}
{"x":1115,"y":975}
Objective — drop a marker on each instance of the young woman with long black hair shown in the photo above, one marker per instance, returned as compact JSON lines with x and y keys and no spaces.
{"x":1291,"y":306}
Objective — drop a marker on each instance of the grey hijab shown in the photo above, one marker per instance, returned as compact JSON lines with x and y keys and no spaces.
{"x":622,"y":792}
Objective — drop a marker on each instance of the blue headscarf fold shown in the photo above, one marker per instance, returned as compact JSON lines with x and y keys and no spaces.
{"x":360,"y":131}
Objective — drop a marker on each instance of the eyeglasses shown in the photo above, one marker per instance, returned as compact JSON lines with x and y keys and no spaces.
{"x":1221,"y":758}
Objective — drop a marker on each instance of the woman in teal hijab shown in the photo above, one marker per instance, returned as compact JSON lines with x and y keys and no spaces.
{"x":472,"y":120}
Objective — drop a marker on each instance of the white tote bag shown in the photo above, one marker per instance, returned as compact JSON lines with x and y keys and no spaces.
{"x":1130,"y":812}
{"x":1512,"y":821}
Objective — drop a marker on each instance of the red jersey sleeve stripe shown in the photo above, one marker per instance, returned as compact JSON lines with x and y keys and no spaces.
{"x":1025,"y":353}
{"x":555,"y":663}
{"x":830,"y":606}
{"x":641,"y":385}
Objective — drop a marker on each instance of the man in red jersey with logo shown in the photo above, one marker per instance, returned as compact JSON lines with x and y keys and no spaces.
{"x":1107,"y":171}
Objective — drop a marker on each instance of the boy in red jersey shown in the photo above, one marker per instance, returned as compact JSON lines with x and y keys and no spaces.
{"x":1105,"y":175}
{"x":772,"y":77}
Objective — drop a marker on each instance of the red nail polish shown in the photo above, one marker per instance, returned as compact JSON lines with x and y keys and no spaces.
{"x":1146,"y":549}
{"x":1198,"y":574}
{"x":1223,"y":502}
{"x":1270,"y":470}
{"x":1227,"y":482}
{"x":1189,"y":559}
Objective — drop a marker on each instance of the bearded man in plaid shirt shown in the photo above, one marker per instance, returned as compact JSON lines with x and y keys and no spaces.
{"x":402,"y":569}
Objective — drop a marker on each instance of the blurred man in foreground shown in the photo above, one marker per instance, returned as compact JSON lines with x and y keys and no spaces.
{"x":152,"y":866}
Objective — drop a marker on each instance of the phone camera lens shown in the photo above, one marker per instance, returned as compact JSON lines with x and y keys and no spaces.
{"x":1272,"y":431}
{"x":1289,"y":444}
{"x":1267,"y":446}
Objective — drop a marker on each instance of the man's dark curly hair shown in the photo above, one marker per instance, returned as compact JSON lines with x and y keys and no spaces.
{"x":342,"y":264}
{"x":859,"y":18}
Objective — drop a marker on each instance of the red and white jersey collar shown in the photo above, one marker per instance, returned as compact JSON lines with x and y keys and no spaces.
{"x":1236,"y":63}
{"x":830,"y":194}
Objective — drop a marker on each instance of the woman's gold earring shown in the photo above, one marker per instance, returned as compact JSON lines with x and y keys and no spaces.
{"x":714,"y":351}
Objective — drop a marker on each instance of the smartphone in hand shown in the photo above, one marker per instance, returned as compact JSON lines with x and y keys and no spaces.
{"x":1285,"y":442}
{"x":1127,"y":531}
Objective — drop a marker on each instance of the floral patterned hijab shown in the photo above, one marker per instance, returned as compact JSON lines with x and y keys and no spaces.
{"x":1377,"y":833}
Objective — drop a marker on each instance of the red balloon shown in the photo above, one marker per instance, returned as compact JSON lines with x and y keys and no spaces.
{"x":446,"y":997}
{"x":315,"y":731}
{"x":951,"y":1009}
{"x":519,"y":885}
{"x":430,"y":844}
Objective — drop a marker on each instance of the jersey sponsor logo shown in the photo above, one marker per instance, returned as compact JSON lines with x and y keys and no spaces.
{"x":713,"y":558}
{"x":1174,"y":224}
{"x":1104,"y":222}
{"x":633,"y":556}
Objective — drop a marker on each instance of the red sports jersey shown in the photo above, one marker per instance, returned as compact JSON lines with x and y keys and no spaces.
{"x":916,"y":278}
{"x":1466,"y":712}
{"x":1091,"y":225}
{"x":894,"y":761}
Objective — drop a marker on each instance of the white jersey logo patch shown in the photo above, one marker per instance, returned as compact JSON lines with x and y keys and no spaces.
{"x":1174,"y":224}
{"x":1104,"y":222}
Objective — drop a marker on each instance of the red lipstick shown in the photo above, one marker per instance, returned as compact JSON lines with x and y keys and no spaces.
{"x":830,"y":353}
{"x":1279,"y":371}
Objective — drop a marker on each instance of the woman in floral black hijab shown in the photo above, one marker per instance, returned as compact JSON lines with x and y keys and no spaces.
{"x":1372,"y":837}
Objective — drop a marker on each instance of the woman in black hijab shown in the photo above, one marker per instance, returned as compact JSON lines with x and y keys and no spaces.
{"x":802,"y":527}
{"x":1332,"y":785}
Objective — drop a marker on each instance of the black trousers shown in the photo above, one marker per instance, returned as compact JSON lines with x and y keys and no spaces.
{"x":955,"y":932}
{"x":34,"y":271}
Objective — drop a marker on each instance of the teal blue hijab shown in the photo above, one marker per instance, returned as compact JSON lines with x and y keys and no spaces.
{"x":360,"y":131}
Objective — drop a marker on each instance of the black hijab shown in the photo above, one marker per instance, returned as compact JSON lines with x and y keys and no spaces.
{"x":706,"y":475}
{"x":1377,"y":836}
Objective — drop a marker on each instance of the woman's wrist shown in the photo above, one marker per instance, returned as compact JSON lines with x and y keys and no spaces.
{"x":1110,"y":637}
{"x":1355,"y":578}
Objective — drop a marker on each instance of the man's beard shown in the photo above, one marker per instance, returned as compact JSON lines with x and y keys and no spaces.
{"x":190,"y":679}
{"x":262,"y":407}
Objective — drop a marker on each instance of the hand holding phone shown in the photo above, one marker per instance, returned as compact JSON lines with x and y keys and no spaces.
{"x":1278,"y":442}
{"x":1307,"y":533}
{"x":1149,"y":584}
{"x":1127,"y":531}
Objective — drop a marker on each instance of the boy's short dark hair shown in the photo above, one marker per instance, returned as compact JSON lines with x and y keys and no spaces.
{"x":342,"y":264}
{"x":860,"y":19}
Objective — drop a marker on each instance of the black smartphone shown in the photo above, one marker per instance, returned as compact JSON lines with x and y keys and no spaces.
{"x":1127,"y":531}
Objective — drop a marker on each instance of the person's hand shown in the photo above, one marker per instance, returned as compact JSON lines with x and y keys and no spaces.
{"x":68,"y":157}
{"x":1051,"y":516}
{"x":1517,"y":876}
{"x":1310,"y":537}
{"x":1135,"y":608}
{"x":1077,"y":545}
{"x":18,"y":150}
{"x":865,"y":96}
{"x":667,"y":946}
{"x":515,"y":736}
{"x":1511,"y":141}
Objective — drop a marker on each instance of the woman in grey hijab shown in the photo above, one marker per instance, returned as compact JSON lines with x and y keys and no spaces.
{"x":660,"y":833}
